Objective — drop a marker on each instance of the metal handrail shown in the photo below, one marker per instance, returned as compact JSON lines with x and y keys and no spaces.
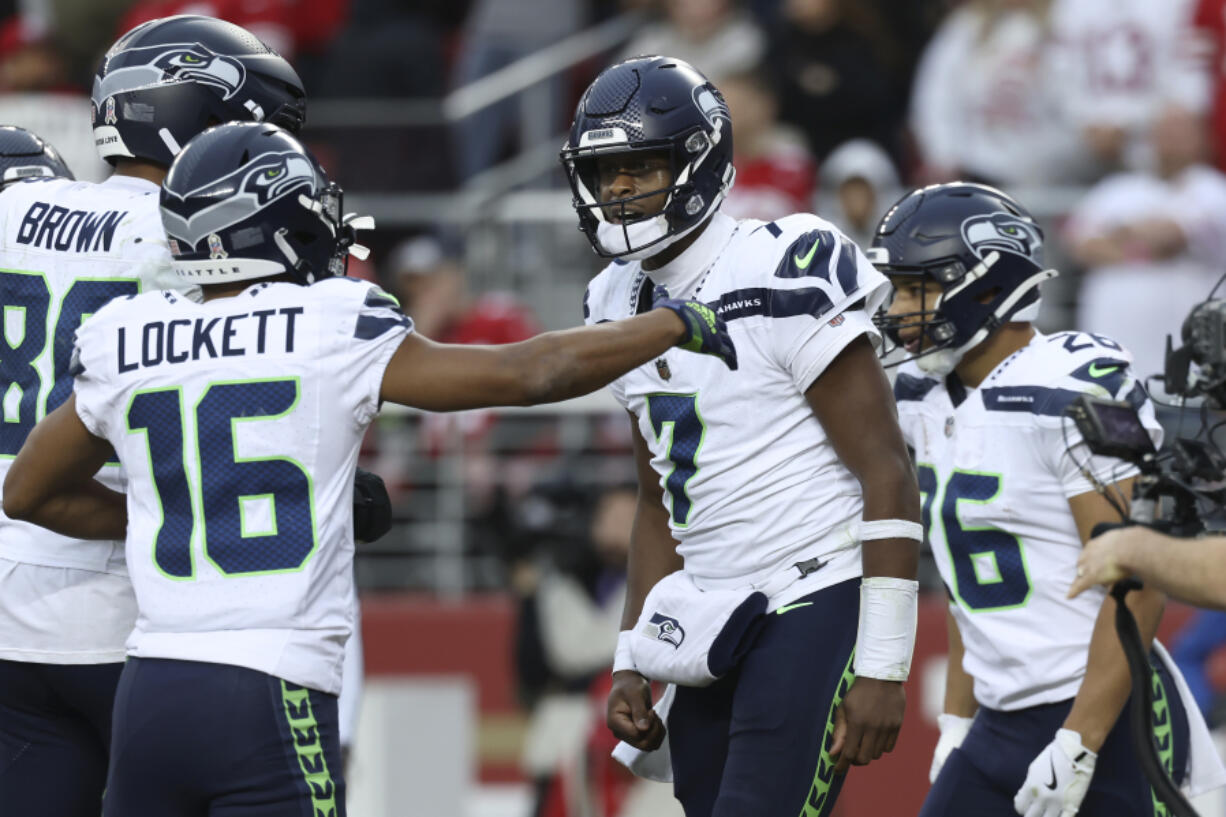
{"x":490,"y":89}
{"x":540,"y":65}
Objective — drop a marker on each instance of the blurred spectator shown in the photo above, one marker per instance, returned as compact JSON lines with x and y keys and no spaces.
{"x":833,"y":86}
{"x":1152,"y":243}
{"x":775,"y":175}
{"x":29,"y":59}
{"x":983,"y":105}
{"x":571,"y":608}
{"x":714,"y":36}
{"x":435,"y":293}
{"x":387,"y":49}
{"x":864,"y":184}
{"x":1210,"y":21}
{"x":1119,"y":62}
{"x":496,"y":34}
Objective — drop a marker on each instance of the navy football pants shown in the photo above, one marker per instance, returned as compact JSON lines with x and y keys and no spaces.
{"x":982,"y":776}
{"x":755,"y":743}
{"x":55,"y":728}
{"x":214,"y":740}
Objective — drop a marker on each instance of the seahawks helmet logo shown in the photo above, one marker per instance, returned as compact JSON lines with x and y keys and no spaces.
{"x":665,"y":628}
{"x":201,"y":66}
{"x":241,"y":194}
{"x":1003,"y":232}
{"x":139,"y":69}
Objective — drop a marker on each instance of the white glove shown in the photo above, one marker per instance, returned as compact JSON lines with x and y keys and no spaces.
{"x":953,"y":732}
{"x":1057,"y":779}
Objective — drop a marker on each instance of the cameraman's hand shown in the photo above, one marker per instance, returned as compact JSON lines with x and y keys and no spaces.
{"x":1104,"y":559}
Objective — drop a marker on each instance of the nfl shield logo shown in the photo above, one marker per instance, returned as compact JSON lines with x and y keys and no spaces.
{"x":663,"y":370}
{"x":110,"y":118}
{"x":949,"y":426}
{"x":216,"y":250}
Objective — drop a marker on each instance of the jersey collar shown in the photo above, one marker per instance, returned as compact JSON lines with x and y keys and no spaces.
{"x":681,"y":275}
{"x":132,"y":183}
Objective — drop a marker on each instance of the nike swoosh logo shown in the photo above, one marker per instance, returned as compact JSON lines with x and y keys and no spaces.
{"x":1096,"y":371}
{"x":1052,"y":784}
{"x":787,"y":607}
{"x":803,"y":263}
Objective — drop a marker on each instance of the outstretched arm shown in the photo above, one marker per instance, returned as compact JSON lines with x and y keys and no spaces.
{"x":549,"y":367}
{"x":853,"y":401}
{"x":51,"y":483}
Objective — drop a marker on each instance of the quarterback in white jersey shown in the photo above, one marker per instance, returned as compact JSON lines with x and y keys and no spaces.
{"x":767,"y":481}
{"x":238,"y":421}
{"x":1036,"y":681}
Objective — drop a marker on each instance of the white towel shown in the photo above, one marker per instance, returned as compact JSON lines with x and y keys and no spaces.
{"x":657,"y":764}
{"x":689,"y":636}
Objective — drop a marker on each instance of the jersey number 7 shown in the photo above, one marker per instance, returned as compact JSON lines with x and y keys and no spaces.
{"x":256,"y":514}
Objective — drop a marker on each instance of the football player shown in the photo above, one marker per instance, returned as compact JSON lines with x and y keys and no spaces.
{"x":773,"y":478}
{"x":1036,"y":682}
{"x":238,"y":421}
{"x":66,"y":248}
{"x":25,"y":155}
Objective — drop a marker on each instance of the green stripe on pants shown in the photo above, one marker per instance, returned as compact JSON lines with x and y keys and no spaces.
{"x":815,"y":803}
{"x":309,"y":748}
{"x":1163,"y":736}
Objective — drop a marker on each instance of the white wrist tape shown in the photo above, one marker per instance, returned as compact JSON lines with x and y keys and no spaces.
{"x":888,"y":610}
{"x":891,"y":529}
{"x":621,"y":656}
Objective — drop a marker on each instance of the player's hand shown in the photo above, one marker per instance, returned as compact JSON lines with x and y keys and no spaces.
{"x":706,"y":332}
{"x":372,"y":508}
{"x":866,"y":724}
{"x":1100,"y":558}
{"x":953,"y":732}
{"x":1057,"y":779}
{"x":630,"y":716}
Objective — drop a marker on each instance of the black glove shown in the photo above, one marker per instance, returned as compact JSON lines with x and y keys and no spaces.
{"x":708,"y":332}
{"x":372,"y":508}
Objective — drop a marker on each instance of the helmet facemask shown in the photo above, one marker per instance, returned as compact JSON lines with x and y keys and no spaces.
{"x":615,"y":231}
{"x":969,"y":308}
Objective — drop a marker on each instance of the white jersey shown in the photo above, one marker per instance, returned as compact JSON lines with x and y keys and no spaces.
{"x":66,"y":248}
{"x":239,"y":421}
{"x":750,"y":480}
{"x":996,"y":473}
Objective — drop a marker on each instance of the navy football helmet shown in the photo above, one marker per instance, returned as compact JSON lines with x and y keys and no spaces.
{"x":982,"y":248}
{"x":649,"y":104}
{"x":167,"y":80}
{"x":246,"y":200}
{"x":24,"y":155}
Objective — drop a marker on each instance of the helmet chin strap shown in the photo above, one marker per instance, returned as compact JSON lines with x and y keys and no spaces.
{"x":613,"y":237}
{"x":940,"y":362}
